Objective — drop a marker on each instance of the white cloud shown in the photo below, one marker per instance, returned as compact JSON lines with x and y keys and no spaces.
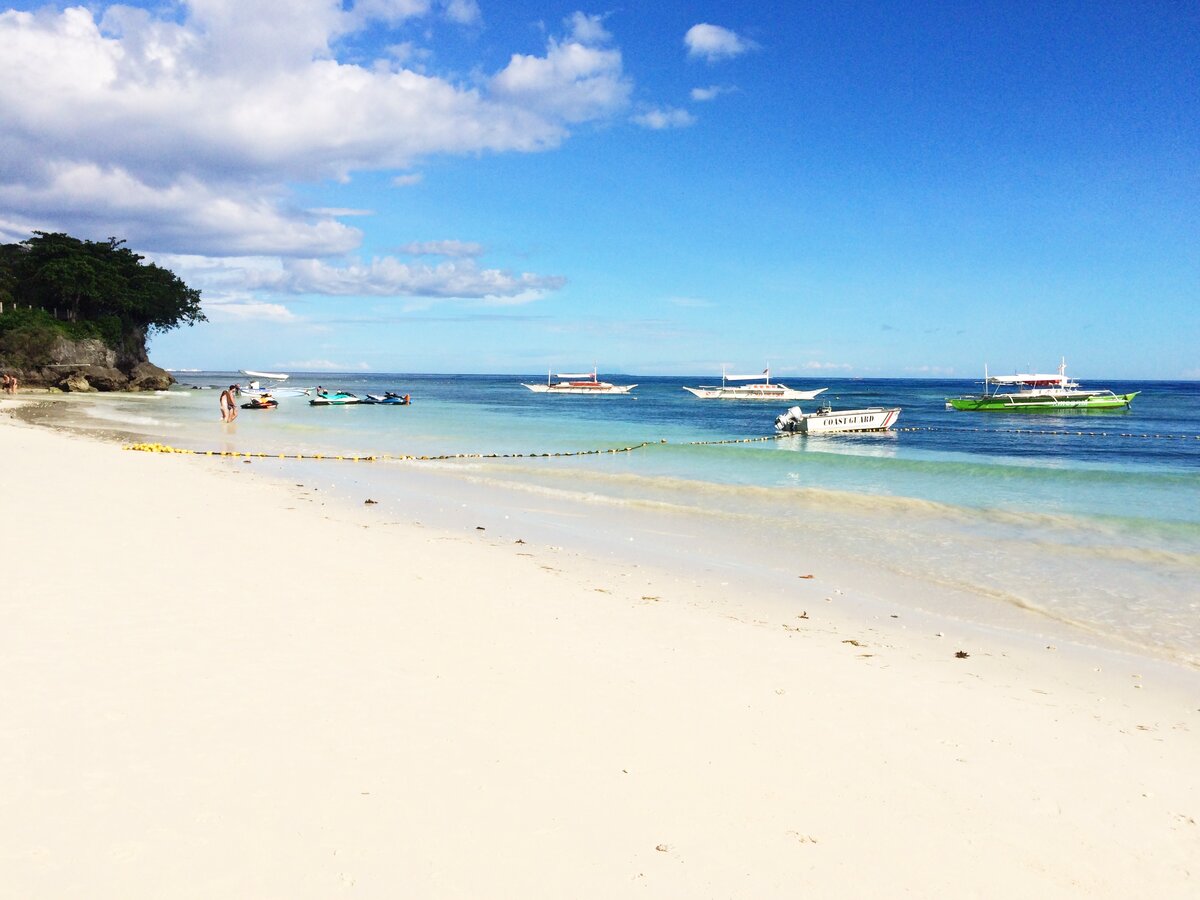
{"x":183,"y":212}
{"x":704,"y":94}
{"x":443,"y":248}
{"x":242,"y":282}
{"x":389,"y":277}
{"x":577,"y":79}
{"x":322,"y":365}
{"x":338,"y":212}
{"x":713,"y":43}
{"x":181,"y":134}
{"x":659,"y":119}
{"x":588,"y":29}
{"x":407,"y":180}
{"x":464,"y":12}
{"x":816,"y":366}
{"x":247,"y":311}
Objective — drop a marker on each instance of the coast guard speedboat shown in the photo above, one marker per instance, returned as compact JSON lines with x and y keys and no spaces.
{"x":827,"y":421}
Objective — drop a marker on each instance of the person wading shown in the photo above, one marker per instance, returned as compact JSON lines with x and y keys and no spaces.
{"x":228,"y":404}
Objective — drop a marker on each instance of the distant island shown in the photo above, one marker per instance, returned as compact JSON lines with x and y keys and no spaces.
{"x":75,"y":314}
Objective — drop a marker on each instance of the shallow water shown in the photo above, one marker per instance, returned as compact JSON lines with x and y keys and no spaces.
{"x":1087,"y":518}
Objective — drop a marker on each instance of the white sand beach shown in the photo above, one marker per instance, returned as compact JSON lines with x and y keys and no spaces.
{"x":370,"y":707}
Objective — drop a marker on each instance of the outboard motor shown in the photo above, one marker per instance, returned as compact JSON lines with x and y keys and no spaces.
{"x":789,"y":420}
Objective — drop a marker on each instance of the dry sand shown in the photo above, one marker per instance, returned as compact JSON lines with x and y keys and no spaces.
{"x":373,"y":708}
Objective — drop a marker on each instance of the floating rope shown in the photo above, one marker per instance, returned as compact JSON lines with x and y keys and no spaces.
{"x":409,"y":457}
{"x":377,"y":457}
{"x":1038,"y":431}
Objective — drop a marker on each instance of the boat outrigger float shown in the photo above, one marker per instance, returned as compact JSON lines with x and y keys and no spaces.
{"x":1038,"y":393}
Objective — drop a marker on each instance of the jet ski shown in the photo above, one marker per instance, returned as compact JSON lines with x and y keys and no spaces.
{"x":262,"y":401}
{"x":334,"y":398}
{"x":390,"y":398}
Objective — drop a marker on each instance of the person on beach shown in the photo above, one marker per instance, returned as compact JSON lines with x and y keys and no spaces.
{"x":228,"y":405}
{"x":10,"y":384}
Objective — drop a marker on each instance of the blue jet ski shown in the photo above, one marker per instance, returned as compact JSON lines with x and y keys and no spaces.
{"x":391,"y":398}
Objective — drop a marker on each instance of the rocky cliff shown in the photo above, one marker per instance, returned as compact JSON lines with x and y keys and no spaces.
{"x":85,"y":365}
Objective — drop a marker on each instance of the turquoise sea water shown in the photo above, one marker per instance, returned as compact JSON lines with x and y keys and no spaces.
{"x":1091,"y":519}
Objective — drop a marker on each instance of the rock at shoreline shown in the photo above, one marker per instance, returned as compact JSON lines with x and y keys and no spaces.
{"x":146,"y":376}
{"x":76,"y":383}
{"x":90,"y":365}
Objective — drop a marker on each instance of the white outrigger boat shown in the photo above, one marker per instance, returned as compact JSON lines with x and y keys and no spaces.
{"x":586,"y":384}
{"x":269,"y":376}
{"x":828,"y":421}
{"x":764,"y":390}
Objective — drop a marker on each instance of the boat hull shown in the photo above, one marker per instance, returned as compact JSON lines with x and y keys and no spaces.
{"x":875,"y":418}
{"x":1015,"y":403}
{"x":753,"y":393}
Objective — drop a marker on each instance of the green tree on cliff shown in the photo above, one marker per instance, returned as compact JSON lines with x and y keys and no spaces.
{"x":97,"y":281}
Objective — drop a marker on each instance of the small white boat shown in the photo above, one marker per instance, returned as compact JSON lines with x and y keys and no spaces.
{"x":827,"y":421}
{"x":764,"y":390}
{"x":586,"y":384}
{"x":270,"y":376}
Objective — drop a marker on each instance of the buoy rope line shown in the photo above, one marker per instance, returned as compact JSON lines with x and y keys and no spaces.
{"x":376,"y":457}
{"x":410,"y":457}
{"x":1039,"y":431}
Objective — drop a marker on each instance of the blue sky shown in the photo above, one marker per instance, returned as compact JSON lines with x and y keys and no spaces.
{"x":835,"y":189}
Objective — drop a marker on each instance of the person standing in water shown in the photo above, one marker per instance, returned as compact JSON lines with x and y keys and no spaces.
{"x":228,"y":404}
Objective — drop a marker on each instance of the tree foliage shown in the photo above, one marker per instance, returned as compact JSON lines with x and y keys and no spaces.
{"x":96,"y":281}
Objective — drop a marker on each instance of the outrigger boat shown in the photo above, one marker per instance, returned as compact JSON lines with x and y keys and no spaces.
{"x":270,"y":376}
{"x":827,"y":421}
{"x":764,"y":390}
{"x":588,"y":383}
{"x":1038,"y":393}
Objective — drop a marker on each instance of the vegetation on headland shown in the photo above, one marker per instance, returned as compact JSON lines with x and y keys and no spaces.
{"x":90,"y":289}
{"x":57,"y":289}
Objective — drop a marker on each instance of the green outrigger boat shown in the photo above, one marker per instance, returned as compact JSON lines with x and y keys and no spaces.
{"x":1038,"y":393}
